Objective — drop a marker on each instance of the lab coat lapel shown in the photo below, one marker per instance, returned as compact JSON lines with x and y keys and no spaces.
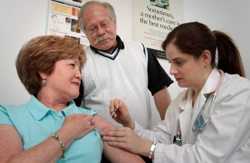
{"x":185,"y":117}
{"x":208,"y":89}
{"x":199,"y":106}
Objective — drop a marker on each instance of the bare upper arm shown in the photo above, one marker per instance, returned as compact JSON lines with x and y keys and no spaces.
{"x":101,"y":123}
{"x":162,"y":100}
{"x":112,"y":153}
{"x":10,"y":142}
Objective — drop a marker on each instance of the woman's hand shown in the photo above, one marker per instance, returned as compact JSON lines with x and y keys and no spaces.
{"x":76,"y":126}
{"x":127,"y":139}
{"x":119,"y":112}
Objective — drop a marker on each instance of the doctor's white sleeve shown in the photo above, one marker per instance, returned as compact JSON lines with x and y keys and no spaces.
{"x":158,"y":134}
{"x":164,"y":131}
{"x":225,"y":138}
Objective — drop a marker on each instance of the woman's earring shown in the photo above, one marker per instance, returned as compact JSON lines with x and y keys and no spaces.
{"x":44,"y":82}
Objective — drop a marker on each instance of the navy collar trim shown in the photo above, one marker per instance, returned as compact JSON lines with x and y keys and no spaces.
{"x":115,"y":51}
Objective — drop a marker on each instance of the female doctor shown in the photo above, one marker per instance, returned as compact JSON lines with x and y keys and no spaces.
{"x":209,"y":122}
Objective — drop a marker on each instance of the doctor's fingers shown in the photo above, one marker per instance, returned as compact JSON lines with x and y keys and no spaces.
{"x":117,"y":132}
{"x":115,"y":103}
{"x":112,"y":108}
{"x":122,"y":145}
{"x":131,"y":144}
{"x":117,"y":139}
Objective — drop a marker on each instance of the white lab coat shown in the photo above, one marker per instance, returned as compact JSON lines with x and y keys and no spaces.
{"x":226,"y":136}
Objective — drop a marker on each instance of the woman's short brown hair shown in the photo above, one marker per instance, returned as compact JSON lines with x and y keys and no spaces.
{"x":40,"y":54}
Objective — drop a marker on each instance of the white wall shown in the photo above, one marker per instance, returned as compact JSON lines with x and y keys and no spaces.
{"x":22,"y":20}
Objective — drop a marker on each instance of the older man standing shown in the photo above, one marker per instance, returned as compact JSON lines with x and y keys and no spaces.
{"x":119,"y":69}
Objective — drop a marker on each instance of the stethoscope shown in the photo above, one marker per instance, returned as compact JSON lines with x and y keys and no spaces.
{"x":201,"y":120}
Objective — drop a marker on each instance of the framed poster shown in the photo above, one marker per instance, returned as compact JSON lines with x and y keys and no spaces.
{"x":63,"y":19}
{"x":153,"y":20}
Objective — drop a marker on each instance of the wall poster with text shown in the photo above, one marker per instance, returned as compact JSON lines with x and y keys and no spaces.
{"x":63,"y":19}
{"x":153,"y":20}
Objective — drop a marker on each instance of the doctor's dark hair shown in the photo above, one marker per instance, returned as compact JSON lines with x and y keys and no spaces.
{"x":194,"y":37}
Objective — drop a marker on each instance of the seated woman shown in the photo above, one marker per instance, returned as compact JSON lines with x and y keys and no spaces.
{"x":209,"y":121}
{"x":50,"y":127}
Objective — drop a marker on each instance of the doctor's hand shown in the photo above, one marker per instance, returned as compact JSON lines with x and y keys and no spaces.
{"x":127,"y":139}
{"x":119,"y":113}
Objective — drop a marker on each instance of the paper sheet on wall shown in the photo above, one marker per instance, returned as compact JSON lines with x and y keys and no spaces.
{"x":63,"y":20}
{"x":153,"y":20}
